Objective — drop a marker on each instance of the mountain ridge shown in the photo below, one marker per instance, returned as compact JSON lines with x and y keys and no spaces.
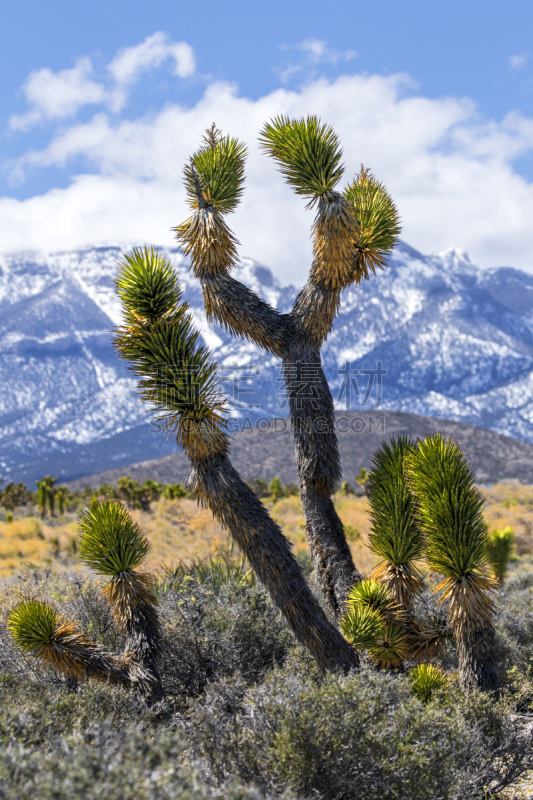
{"x":455,"y":342}
{"x":258,"y":454}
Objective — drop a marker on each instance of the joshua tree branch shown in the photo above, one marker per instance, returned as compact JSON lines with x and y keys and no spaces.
{"x":314,"y":311}
{"x":238,"y":309}
{"x":296,"y":338}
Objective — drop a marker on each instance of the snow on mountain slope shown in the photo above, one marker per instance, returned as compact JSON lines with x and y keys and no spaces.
{"x":456,"y":342}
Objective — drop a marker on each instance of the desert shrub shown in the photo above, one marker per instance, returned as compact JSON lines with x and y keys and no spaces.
{"x":210,"y":630}
{"x":212,"y":633}
{"x":248,"y":714}
{"x":364,"y":737}
{"x":96,"y":758}
{"x":225,"y":566}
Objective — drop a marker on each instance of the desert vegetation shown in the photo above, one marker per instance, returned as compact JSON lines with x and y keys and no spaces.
{"x":330,"y":640}
{"x":245,"y":711}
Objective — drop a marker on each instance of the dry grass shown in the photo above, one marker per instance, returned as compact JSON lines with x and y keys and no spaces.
{"x":180,"y":530}
{"x":511,"y":505}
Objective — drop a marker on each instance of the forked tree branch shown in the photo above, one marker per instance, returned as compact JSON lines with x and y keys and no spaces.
{"x":243,"y":313}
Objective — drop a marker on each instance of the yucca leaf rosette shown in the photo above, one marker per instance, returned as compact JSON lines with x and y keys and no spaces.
{"x":219,"y":168}
{"x":178,"y":377}
{"x":370,"y":593}
{"x":378,"y":224}
{"x":146,"y":284}
{"x":39,"y":630}
{"x":112,"y":544}
{"x":214,"y":180}
{"x":362,"y":626}
{"x":395,"y":534}
{"x":373,"y":621}
{"x":392,"y":647}
{"x":309,"y":155}
{"x":449,"y":509}
{"x":426,"y":679}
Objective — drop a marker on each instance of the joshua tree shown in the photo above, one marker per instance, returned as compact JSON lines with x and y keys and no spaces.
{"x":61,"y":497}
{"x":449,"y":511}
{"x":41,"y":497}
{"x":113,"y":545}
{"x":353,"y":233}
{"x":500,"y":549}
{"x":46,"y":494}
{"x":276,"y":489}
{"x":361,"y":479}
{"x":13,"y":496}
{"x":395,"y":535}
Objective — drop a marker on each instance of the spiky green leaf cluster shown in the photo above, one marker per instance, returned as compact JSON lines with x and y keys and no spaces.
{"x":219,"y":172}
{"x":370,"y":593}
{"x":32,"y":624}
{"x":307,"y":152}
{"x":395,"y":534}
{"x":500,"y":547}
{"x":449,"y":507}
{"x":379,"y":222}
{"x":362,"y":626}
{"x":147,"y":285}
{"x":392,"y":647}
{"x":111,"y":542}
{"x":178,"y":376}
{"x":426,"y":679}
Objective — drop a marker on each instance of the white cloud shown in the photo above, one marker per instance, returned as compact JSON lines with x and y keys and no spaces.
{"x":518,"y":61}
{"x":449,"y":169}
{"x":315,"y":52}
{"x":127,"y":65}
{"x":319,"y":51}
{"x":58,"y":94}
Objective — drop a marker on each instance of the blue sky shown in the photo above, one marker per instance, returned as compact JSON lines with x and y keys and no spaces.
{"x":102,"y":101}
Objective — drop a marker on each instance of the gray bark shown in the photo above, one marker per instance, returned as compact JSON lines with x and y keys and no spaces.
{"x":218,"y":486}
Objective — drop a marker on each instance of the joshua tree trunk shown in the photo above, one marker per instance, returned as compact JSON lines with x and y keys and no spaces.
{"x":477,"y":662}
{"x":217,"y":485}
{"x":238,"y":309}
{"x":319,"y":470}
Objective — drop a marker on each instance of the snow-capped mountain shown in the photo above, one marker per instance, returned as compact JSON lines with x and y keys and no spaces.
{"x":455,"y":341}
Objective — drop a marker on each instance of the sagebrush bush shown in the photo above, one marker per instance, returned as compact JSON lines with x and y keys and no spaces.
{"x":363,"y":737}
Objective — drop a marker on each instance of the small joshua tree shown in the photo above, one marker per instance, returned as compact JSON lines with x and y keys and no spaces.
{"x":395,"y":535}
{"x":424,"y":505}
{"x":374,"y":621}
{"x":61,"y":497}
{"x":46,"y":491}
{"x":449,"y":511}
{"x":113,"y":545}
{"x":500,"y":548}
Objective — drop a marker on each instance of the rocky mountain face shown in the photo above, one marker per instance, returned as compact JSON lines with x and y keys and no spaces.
{"x":431,"y":335}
